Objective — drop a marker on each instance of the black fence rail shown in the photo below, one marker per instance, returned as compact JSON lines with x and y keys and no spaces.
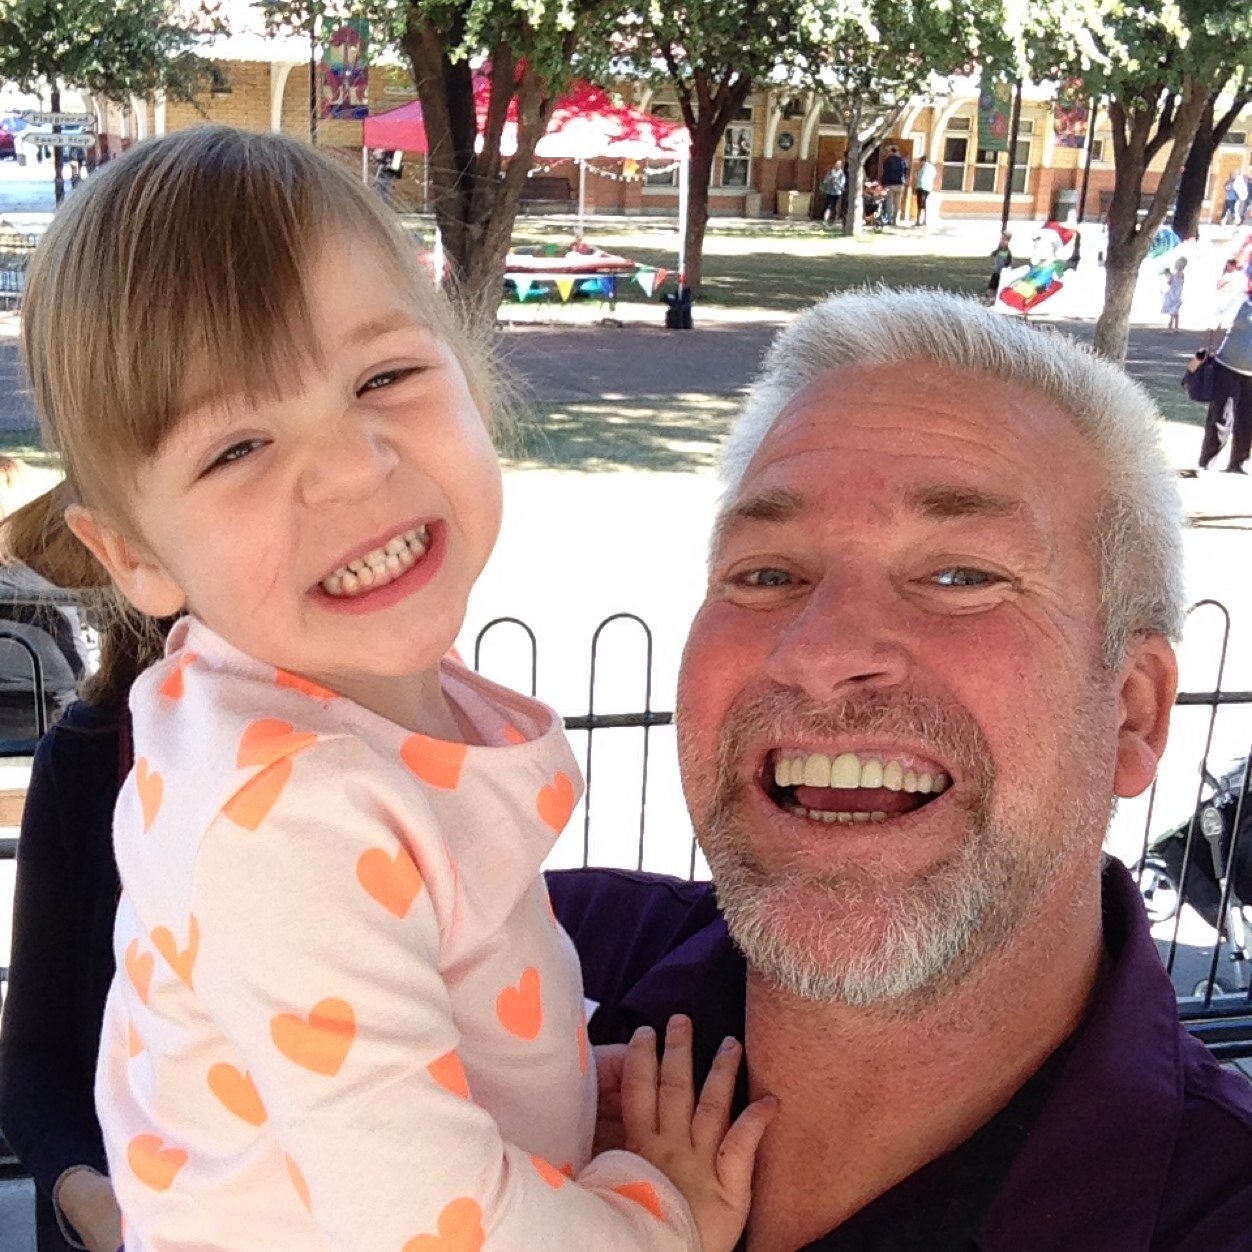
{"x":1217,"y":1009}
{"x":15,"y":255}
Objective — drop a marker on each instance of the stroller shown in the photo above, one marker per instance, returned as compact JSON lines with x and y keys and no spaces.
{"x":1218,"y":862}
{"x":874,"y":206}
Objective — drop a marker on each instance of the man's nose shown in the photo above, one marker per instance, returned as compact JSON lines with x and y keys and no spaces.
{"x":847,"y":636}
{"x":349,"y":462}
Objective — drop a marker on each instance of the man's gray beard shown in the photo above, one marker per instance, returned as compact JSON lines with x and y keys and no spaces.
{"x":847,"y":936}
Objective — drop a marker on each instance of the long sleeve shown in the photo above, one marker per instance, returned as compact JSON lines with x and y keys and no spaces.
{"x":60,"y":964}
{"x":327,"y":1026}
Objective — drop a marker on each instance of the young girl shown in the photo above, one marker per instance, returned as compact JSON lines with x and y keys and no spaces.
{"x":1171,"y":304}
{"x":344,"y":1016}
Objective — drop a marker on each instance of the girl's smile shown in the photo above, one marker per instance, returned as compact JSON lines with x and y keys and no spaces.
{"x":367,"y":584}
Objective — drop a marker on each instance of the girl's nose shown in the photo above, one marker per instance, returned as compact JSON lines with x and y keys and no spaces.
{"x":350,"y":464}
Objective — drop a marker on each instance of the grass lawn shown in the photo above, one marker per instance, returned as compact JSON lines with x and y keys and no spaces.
{"x":789,"y":267}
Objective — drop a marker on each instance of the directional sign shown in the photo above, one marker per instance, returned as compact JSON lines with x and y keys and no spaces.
{"x":45,"y":140}
{"x":36,"y":118}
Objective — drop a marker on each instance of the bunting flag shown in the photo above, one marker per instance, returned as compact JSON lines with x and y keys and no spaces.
{"x":565,"y":286}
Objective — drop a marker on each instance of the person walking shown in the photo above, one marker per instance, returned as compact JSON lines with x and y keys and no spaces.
{"x":1231,"y":203}
{"x":1241,"y":197}
{"x":895,"y":178}
{"x":925,"y":184}
{"x":1230,"y":410}
{"x":834,"y":187}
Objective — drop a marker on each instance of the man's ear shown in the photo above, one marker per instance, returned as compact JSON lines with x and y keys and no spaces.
{"x":1146,"y":689}
{"x":136,"y":573}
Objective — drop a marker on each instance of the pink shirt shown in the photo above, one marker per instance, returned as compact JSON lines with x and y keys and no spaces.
{"x":344,"y":1015}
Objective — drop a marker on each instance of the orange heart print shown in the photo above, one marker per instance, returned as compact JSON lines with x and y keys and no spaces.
{"x":556,"y":802}
{"x":394,"y":881}
{"x":238,"y":1093}
{"x":139,"y":967}
{"x":460,"y":1230}
{"x":270,"y":743}
{"x":449,"y":1072}
{"x":182,"y":962}
{"x":555,"y":1178}
{"x":294,"y":682}
{"x":435,"y":761}
{"x":154,"y":1164}
{"x":520,"y":1008}
{"x":296,"y":1174}
{"x":134,"y":1041}
{"x":150,"y":786}
{"x":173,"y":686}
{"x":319,"y":1042}
{"x":644,"y":1194}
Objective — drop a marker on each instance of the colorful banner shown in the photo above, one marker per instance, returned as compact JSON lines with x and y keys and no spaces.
{"x":1071,"y":115}
{"x":344,"y":72}
{"x":995,"y":114}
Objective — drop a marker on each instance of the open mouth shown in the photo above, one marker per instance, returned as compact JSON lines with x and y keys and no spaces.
{"x":852,"y":786}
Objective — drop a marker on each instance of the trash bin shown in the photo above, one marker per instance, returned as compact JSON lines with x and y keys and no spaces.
{"x":794,"y":204}
{"x":1065,"y":205}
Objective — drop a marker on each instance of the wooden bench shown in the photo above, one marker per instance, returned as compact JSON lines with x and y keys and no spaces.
{"x":1145,"y":203}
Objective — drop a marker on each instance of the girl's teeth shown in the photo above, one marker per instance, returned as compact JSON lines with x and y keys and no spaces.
{"x":380,"y":565}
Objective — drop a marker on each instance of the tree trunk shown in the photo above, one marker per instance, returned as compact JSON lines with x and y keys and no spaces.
{"x":1195,"y":174}
{"x":699,"y":176}
{"x":854,"y":157}
{"x":475,"y":194}
{"x":1134,"y":146}
{"x":58,"y":173}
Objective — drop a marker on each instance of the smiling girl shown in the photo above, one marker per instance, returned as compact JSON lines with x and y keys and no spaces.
{"x":343,"y":1015}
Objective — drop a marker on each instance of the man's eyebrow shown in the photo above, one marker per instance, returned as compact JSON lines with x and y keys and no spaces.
{"x":776,"y":505}
{"x":944,"y":503}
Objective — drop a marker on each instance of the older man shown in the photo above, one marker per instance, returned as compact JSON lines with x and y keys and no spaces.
{"x":935,"y":646}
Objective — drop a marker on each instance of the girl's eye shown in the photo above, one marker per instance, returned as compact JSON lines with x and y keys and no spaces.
{"x":237,"y":452}
{"x":962,"y":576}
{"x":386,"y":378}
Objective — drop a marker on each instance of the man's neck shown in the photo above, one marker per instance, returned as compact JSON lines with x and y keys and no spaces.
{"x":868,"y":1096}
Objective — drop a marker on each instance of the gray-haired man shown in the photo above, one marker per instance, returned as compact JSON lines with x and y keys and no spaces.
{"x":936,"y":644}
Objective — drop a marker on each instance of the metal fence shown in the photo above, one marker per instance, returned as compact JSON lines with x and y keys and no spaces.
{"x":15,"y":254}
{"x":1217,"y":1008}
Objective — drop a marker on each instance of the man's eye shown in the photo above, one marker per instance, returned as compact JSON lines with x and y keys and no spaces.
{"x":237,"y":452}
{"x":963,"y":576}
{"x":769,"y":577}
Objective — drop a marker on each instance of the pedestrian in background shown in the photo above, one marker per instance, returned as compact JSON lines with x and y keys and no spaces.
{"x":1174,"y":280}
{"x":834,"y":187}
{"x":922,"y":188}
{"x":895,"y":178}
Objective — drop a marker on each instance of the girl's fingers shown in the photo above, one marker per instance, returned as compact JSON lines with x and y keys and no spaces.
{"x":712,"y":1115}
{"x":676,"y":1094}
{"x":737,"y":1155}
{"x":639,"y":1087}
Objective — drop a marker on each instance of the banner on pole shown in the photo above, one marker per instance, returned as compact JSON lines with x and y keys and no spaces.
{"x":995,"y":113}
{"x":1071,"y":115}
{"x":345,"y":72}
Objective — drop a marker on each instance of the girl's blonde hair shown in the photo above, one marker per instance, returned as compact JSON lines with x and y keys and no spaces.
{"x":182,"y":267}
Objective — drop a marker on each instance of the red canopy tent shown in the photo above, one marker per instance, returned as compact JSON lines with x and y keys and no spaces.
{"x":585,"y":124}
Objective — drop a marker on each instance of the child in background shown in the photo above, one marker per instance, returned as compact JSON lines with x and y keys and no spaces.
{"x":1001,"y":260}
{"x":1174,"y":280}
{"x":343,"y":1015}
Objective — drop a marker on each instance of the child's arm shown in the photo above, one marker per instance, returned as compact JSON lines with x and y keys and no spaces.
{"x":330,"y":984}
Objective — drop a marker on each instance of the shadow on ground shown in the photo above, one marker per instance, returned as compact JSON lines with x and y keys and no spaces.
{"x":673,"y":434}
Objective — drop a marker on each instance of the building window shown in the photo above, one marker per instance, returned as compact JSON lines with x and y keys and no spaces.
{"x":662,"y":176}
{"x":1097,"y":150}
{"x":1021,"y":167}
{"x":737,"y":154}
{"x":219,"y":84}
{"x":955,"y":150}
{"x":1235,"y":139}
{"x":986,"y":166}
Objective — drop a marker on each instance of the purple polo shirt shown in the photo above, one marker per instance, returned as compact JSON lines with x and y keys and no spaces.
{"x":1130,"y":1138}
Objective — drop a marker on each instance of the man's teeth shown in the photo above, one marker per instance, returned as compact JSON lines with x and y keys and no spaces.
{"x":378,"y":566}
{"x":848,"y":771}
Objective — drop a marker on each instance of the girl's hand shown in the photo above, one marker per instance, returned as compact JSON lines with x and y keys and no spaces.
{"x":693,"y":1144}
{"x":610,"y":1133}
{"x":87,"y":1200}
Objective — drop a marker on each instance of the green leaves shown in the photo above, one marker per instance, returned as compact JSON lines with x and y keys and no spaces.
{"x":113,"y":48}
